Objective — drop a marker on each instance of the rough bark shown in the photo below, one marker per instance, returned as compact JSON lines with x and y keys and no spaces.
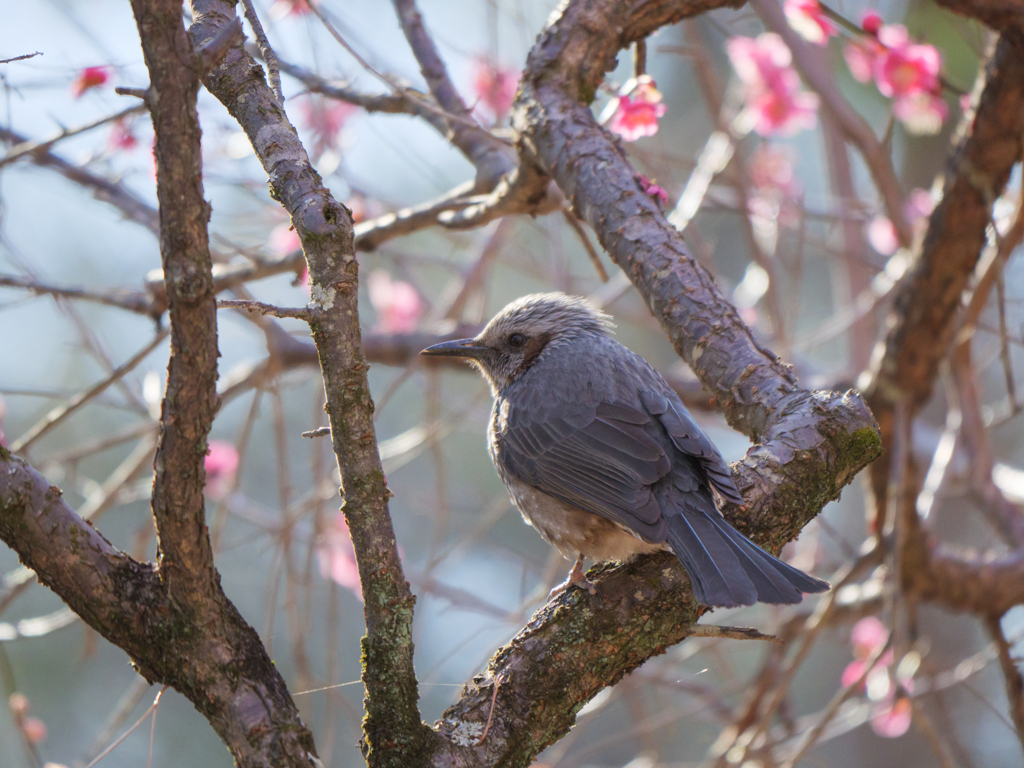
{"x":393,"y":729}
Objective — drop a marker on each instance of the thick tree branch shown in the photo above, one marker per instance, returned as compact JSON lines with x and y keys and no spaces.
{"x":393,"y":729}
{"x":184,"y":555}
{"x":207,"y":652}
{"x":926,"y":304}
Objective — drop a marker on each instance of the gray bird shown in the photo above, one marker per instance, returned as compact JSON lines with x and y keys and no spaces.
{"x":603,"y":459}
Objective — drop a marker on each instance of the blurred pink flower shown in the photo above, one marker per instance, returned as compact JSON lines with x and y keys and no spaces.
{"x":922,"y":114}
{"x":398,"y":305}
{"x":283,"y":239}
{"x":18,"y":702}
{"x":34,"y":729}
{"x":919,"y":205}
{"x":89,"y":78}
{"x":221,"y":464}
{"x":905,"y":68}
{"x":121,"y":136}
{"x":494,"y":87}
{"x":881,"y":233}
{"x":637,"y":110}
{"x":860,"y":57}
{"x":893,"y":720}
{"x":773,"y":92}
{"x":871,"y":22}
{"x":774,"y":188}
{"x":282,"y":8}
{"x":651,"y":188}
{"x":325,"y":119}
{"x":336,"y":556}
{"x":771,"y":167}
{"x":808,"y":18}
{"x":893,"y":715}
{"x":867,"y":636}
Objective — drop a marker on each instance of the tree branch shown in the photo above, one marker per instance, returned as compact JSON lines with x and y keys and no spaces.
{"x":926,"y":304}
{"x":393,"y":729}
{"x":490,"y":158}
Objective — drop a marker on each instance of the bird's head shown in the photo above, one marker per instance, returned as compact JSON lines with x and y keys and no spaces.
{"x":516,"y":337}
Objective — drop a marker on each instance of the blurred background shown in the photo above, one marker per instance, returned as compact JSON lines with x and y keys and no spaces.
{"x":803,"y":256}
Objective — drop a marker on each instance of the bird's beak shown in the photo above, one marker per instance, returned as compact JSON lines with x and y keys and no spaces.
{"x":458,"y":348}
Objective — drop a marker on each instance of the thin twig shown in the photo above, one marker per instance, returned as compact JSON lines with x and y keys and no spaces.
{"x":1011,"y":674}
{"x":577,"y":227}
{"x":640,"y":58}
{"x":273,"y":68}
{"x":22,"y":57}
{"x":129,"y":732}
{"x":731,"y":633}
{"x":61,"y":412}
{"x":299,"y":313}
{"x":29,"y":147}
{"x":318,"y":432}
{"x":490,"y":715}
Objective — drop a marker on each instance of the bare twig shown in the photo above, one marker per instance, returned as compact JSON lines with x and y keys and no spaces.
{"x":1011,"y":675}
{"x":29,"y":147}
{"x":273,"y":67}
{"x":299,"y":313}
{"x":61,"y":412}
{"x":491,"y":159}
{"x":22,"y":57}
{"x":730,"y":633}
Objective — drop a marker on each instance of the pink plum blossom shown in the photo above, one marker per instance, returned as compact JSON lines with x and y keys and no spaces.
{"x":336,"y":556}
{"x":651,"y":188}
{"x":894,"y":719}
{"x":282,"y":8}
{"x":921,"y":113}
{"x":89,"y":78}
{"x":494,"y":87}
{"x":283,"y":239}
{"x":808,"y":18}
{"x":881,"y":232}
{"x":397,"y":303}
{"x":637,"y":109}
{"x":882,"y":235}
{"x":121,"y":136}
{"x":871,"y":22}
{"x":773,"y":93}
{"x":773,"y":184}
{"x":860,"y":57}
{"x":771,"y":167}
{"x":221,"y":465}
{"x":892,"y":716}
{"x":325,"y":119}
{"x":905,"y":68}
{"x":34,"y":729}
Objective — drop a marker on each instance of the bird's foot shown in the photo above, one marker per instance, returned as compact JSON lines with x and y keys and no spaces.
{"x":576,"y":578}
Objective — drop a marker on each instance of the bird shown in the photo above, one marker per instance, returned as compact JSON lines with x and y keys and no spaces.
{"x":602,"y":458}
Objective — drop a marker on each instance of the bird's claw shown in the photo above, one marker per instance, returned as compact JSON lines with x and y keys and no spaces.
{"x":576,"y":578}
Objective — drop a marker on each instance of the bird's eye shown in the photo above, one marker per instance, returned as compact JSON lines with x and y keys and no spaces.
{"x":516,"y":340}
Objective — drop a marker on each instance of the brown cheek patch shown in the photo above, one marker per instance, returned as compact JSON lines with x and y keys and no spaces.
{"x":534,"y":346}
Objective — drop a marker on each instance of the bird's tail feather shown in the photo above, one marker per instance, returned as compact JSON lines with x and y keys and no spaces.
{"x":726,"y":568}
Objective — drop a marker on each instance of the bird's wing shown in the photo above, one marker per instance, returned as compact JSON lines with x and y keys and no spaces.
{"x":602,"y":459}
{"x":691,"y":440}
